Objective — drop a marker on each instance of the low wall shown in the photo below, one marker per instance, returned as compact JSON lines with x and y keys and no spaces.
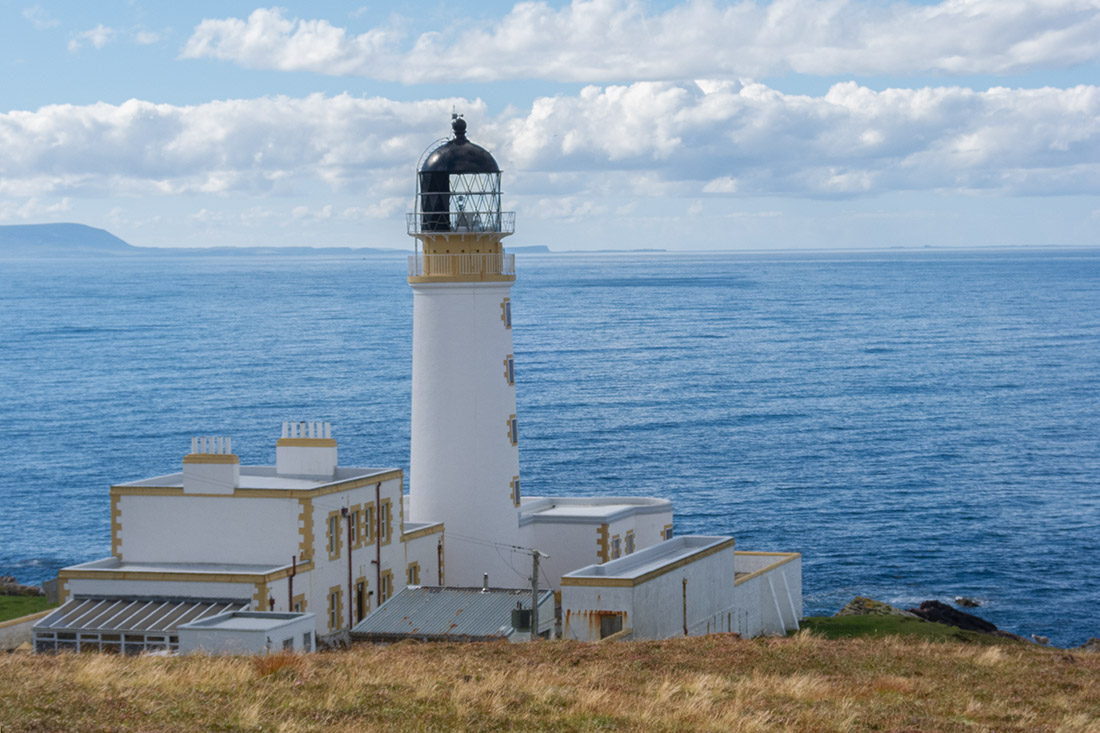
{"x":18,"y":630}
{"x":769,"y":592}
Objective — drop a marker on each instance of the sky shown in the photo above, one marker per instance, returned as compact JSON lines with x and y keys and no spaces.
{"x":696,"y":125}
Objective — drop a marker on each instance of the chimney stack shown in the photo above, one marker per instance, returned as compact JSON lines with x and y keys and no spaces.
{"x":306,"y":449}
{"x":211,"y":467}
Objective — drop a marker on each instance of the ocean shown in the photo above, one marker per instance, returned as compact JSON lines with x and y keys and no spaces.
{"x":917,"y":424}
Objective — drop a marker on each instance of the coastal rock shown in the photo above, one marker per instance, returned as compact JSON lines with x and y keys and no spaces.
{"x":941,"y":613}
{"x":966,"y":602}
{"x":863,"y":606}
{"x":1092,"y":645}
{"x":10,"y":587}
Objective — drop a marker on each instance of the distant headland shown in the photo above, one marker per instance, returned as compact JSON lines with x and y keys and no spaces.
{"x":79,"y":240}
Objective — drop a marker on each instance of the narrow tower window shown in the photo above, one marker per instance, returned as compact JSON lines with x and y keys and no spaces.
{"x":515,"y":491}
{"x":513,"y":430}
{"x":506,"y":312}
{"x":510,"y":369}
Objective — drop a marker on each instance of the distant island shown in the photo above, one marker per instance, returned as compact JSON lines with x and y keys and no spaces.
{"x":80,"y":240}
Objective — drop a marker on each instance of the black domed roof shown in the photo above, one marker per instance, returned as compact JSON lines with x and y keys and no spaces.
{"x":459,"y":155}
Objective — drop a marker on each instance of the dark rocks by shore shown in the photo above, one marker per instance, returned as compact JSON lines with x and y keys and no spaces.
{"x":10,"y":587}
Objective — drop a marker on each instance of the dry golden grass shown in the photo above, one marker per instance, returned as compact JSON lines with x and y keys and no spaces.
{"x":717,"y":683}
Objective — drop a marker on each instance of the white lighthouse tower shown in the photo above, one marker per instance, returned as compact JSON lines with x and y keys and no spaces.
{"x":464,"y":453}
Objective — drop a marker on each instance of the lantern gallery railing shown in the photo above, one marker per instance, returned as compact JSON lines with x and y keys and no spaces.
{"x":460,"y":222}
{"x":461,"y":265}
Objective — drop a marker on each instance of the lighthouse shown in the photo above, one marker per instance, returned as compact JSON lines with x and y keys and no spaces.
{"x":464,"y":454}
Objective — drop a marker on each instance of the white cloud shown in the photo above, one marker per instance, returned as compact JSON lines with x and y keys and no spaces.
{"x":99,"y":37}
{"x":622,"y":40}
{"x":40,"y":18}
{"x":143,"y":37}
{"x":33,"y":208}
{"x":570,"y":155}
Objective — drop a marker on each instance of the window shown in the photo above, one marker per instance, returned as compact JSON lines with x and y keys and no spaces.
{"x":307,"y":641}
{"x":334,"y":610}
{"x":288,"y":644}
{"x":414,"y":574}
{"x":513,"y":430}
{"x":360,"y":600}
{"x":333,"y":535}
{"x":387,"y":587}
{"x":667,"y":533}
{"x":384,"y":521}
{"x":630,"y":542}
{"x":368,"y":523}
{"x":510,"y":369}
{"x":515,"y":491}
{"x":506,"y":312}
{"x":353,"y":524}
{"x":616,"y":547}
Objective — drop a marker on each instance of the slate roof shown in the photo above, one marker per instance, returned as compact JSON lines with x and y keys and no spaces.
{"x":447,"y":614}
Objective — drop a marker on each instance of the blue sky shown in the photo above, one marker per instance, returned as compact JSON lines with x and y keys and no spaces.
{"x":619,"y":124}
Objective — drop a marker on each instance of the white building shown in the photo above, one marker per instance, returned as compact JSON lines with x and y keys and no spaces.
{"x":304,"y":535}
{"x":309,"y":536}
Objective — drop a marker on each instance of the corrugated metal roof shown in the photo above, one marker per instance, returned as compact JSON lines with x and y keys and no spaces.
{"x":122,"y":615}
{"x":456,"y":614}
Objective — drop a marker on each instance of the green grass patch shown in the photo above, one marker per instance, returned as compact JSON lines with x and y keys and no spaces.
{"x":16,"y":606}
{"x":848,"y":627}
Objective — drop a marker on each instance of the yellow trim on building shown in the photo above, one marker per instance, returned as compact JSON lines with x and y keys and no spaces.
{"x":602,"y":549}
{"x":211,"y":458}
{"x":423,"y":532}
{"x":368,"y":523}
{"x":787,"y":557}
{"x":387,"y":525}
{"x":616,"y":547}
{"x":306,"y":442}
{"x":366,"y":597}
{"x":239,"y":493}
{"x":356,"y":511}
{"x":386,"y":591}
{"x":181,"y":577}
{"x":334,"y":545}
{"x":512,"y":485}
{"x":260,"y":597}
{"x":412,"y":573}
{"x":665,"y":532}
{"x":509,"y":373}
{"x":506,"y":311}
{"x":116,"y":526}
{"x":513,"y":438}
{"x":299,"y":599}
{"x":305,"y":529}
{"x":645,"y":578}
{"x":338,"y":592}
{"x":629,"y":542}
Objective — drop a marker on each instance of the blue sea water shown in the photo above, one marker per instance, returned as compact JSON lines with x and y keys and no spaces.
{"x":918,"y":425}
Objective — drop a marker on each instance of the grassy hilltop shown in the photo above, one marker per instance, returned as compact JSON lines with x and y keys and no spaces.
{"x":719,"y":683}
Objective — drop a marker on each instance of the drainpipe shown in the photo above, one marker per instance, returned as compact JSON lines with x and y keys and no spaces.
{"x":351,"y":597}
{"x":378,"y":541}
{"x":685,"y":606}
{"x":290,"y":583}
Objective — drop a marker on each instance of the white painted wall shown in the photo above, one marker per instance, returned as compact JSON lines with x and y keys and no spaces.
{"x":164,"y":588}
{"x":655,"y":608}
{"x":771,"y":602}
{"x":462,"y":461}
{"x":212,"y":640}
{"x":425,"y":551}
{"x":208,"y":529}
